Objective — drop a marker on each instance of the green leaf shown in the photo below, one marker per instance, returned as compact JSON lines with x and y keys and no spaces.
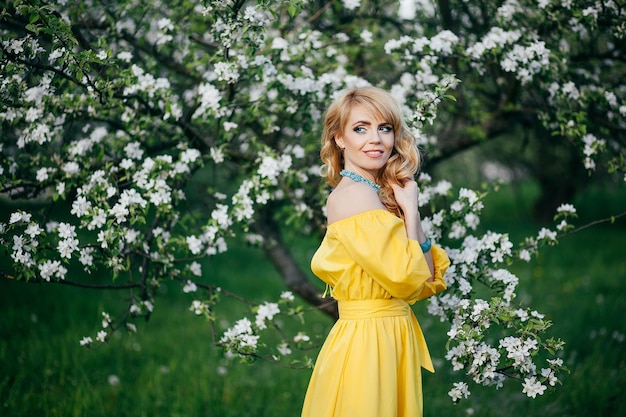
{"x":293,"y":10}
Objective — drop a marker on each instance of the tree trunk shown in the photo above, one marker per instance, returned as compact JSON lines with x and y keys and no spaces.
{"x":295,"y":279}
{"x":560,"y":175}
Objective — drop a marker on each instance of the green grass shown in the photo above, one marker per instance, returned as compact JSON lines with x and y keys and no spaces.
{"x":170,"y":367}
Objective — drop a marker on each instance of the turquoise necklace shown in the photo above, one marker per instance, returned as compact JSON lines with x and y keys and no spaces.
{"x":356,"y":177}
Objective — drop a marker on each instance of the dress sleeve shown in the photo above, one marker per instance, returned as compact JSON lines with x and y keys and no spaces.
{"x":377,"y":241}
{"x":441,"y":263}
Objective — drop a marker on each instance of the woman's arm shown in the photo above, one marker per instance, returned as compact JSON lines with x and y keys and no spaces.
{"x":406,"y":198}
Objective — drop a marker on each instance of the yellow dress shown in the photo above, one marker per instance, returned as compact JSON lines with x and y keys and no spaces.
{"x":369,"y":365}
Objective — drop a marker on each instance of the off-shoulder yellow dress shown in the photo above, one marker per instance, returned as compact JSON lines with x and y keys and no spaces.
{"x":369,"y":365}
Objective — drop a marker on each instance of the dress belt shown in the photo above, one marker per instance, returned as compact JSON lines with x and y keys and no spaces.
{"x":387,"y":307}
{"x":381,"y":307}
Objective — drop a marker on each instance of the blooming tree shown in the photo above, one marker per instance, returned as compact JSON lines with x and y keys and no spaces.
{"x":138,"y":138}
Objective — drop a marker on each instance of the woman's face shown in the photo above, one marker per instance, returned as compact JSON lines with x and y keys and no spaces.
{"x":367,"y":141}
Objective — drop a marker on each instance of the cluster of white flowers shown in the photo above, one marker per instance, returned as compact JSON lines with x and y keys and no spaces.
{"x":141,"y":307}
{"x":146,"y":83}
{"x":226,"y":71}
{"x":243,"y":202}
{"x":49,"y":269}
{"x":243,"y":338}
{"x":566,"y":209}
{"x":41,"y":126}
{"x":23,"y":246}
{"x":210,"y":98}
{"x":198,"y":307}
{"x":102,"y":335}
{"x":271,"y":167}
{"x":520,"y":351}
{"x":190,"y":286}
{"x":254,"y":14}
{"x":475,"y":262}
{"x":301,"y":337}
{"x":287,"y":296}
{"x":68,"y":243}
{"x":526,"y":61}
{"x":86,"y":341}
{"x":351,"y":4}
{"x":240,"y":338}
{"x":266,"y":311}
{"x":566,"y":91}
{"x":592,"y":146}
{"x":443,"y":43}
{"x":195,"y":268}
{"x":459,"y":391}
{"x":485,"y":363}
{"x":161,"y":34}
{"x":494,"y":39}
{"x":532,"y":387}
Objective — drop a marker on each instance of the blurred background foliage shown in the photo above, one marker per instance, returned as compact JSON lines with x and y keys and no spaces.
{"x":492,"y":134}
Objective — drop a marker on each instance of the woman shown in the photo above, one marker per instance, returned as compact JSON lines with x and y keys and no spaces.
{"x":376,"y":260}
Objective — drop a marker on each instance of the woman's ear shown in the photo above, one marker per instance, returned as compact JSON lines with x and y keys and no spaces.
{"x":339,"y":142}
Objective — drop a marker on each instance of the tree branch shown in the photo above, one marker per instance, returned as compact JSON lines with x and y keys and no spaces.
{"x":593,"y":223}
{"x":123,"y":286}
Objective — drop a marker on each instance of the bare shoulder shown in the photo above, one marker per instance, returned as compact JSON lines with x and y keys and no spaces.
{"x":350,"y":199}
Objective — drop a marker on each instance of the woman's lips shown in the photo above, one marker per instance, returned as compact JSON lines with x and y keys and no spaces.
{"x":374,"y":153}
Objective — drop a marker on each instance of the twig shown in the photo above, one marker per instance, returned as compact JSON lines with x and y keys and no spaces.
{"x":593,"y":223}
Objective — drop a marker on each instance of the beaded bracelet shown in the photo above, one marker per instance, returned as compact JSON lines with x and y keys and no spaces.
{"x":426,"y":245}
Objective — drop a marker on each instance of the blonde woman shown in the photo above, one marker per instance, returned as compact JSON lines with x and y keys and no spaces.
{"x":376,"y":261}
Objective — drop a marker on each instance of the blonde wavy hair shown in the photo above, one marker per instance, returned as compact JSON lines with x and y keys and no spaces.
{"x":405,"y":158}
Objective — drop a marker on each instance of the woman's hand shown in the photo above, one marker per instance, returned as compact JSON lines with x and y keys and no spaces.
{"x":406,"y":197}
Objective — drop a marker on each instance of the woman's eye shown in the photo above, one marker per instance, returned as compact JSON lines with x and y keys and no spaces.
{"x":359,"y":129}
{"x":386,"y":129}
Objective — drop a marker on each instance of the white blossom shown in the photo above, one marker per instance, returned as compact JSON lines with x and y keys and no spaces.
{"x":80,"y":206}
{"x":241,"y":335}
{"x":33,"y":230}
{"x":125,"y":56}
{"x":194,"y":244}
{"x":284,"y":349}
{"x":351,"y":4}
{"x":86,"y":341}
{"x":66,"y":247}
{"x":86,"y":256}
{"x":133,"y":150}
{"x":459,"y":391}
{"x":190,"y":286}
{"x":195,"y":269}
{"x":366,"y":36}
{"x":566,"y":208}
{"x":532,"y":387}
{"x":50,"y":269}
{"x":209,"y":100}
{"x":301,"y":337}
{"x":42,"y":174}
{"x":220,"y":214}
{"x":287,"y":295}
{"x":101,"y":336}
{"x":266,"y":311}
{"x":19,"y":216}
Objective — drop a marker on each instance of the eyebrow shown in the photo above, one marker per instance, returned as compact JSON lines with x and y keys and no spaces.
{"x":368,"y":123}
